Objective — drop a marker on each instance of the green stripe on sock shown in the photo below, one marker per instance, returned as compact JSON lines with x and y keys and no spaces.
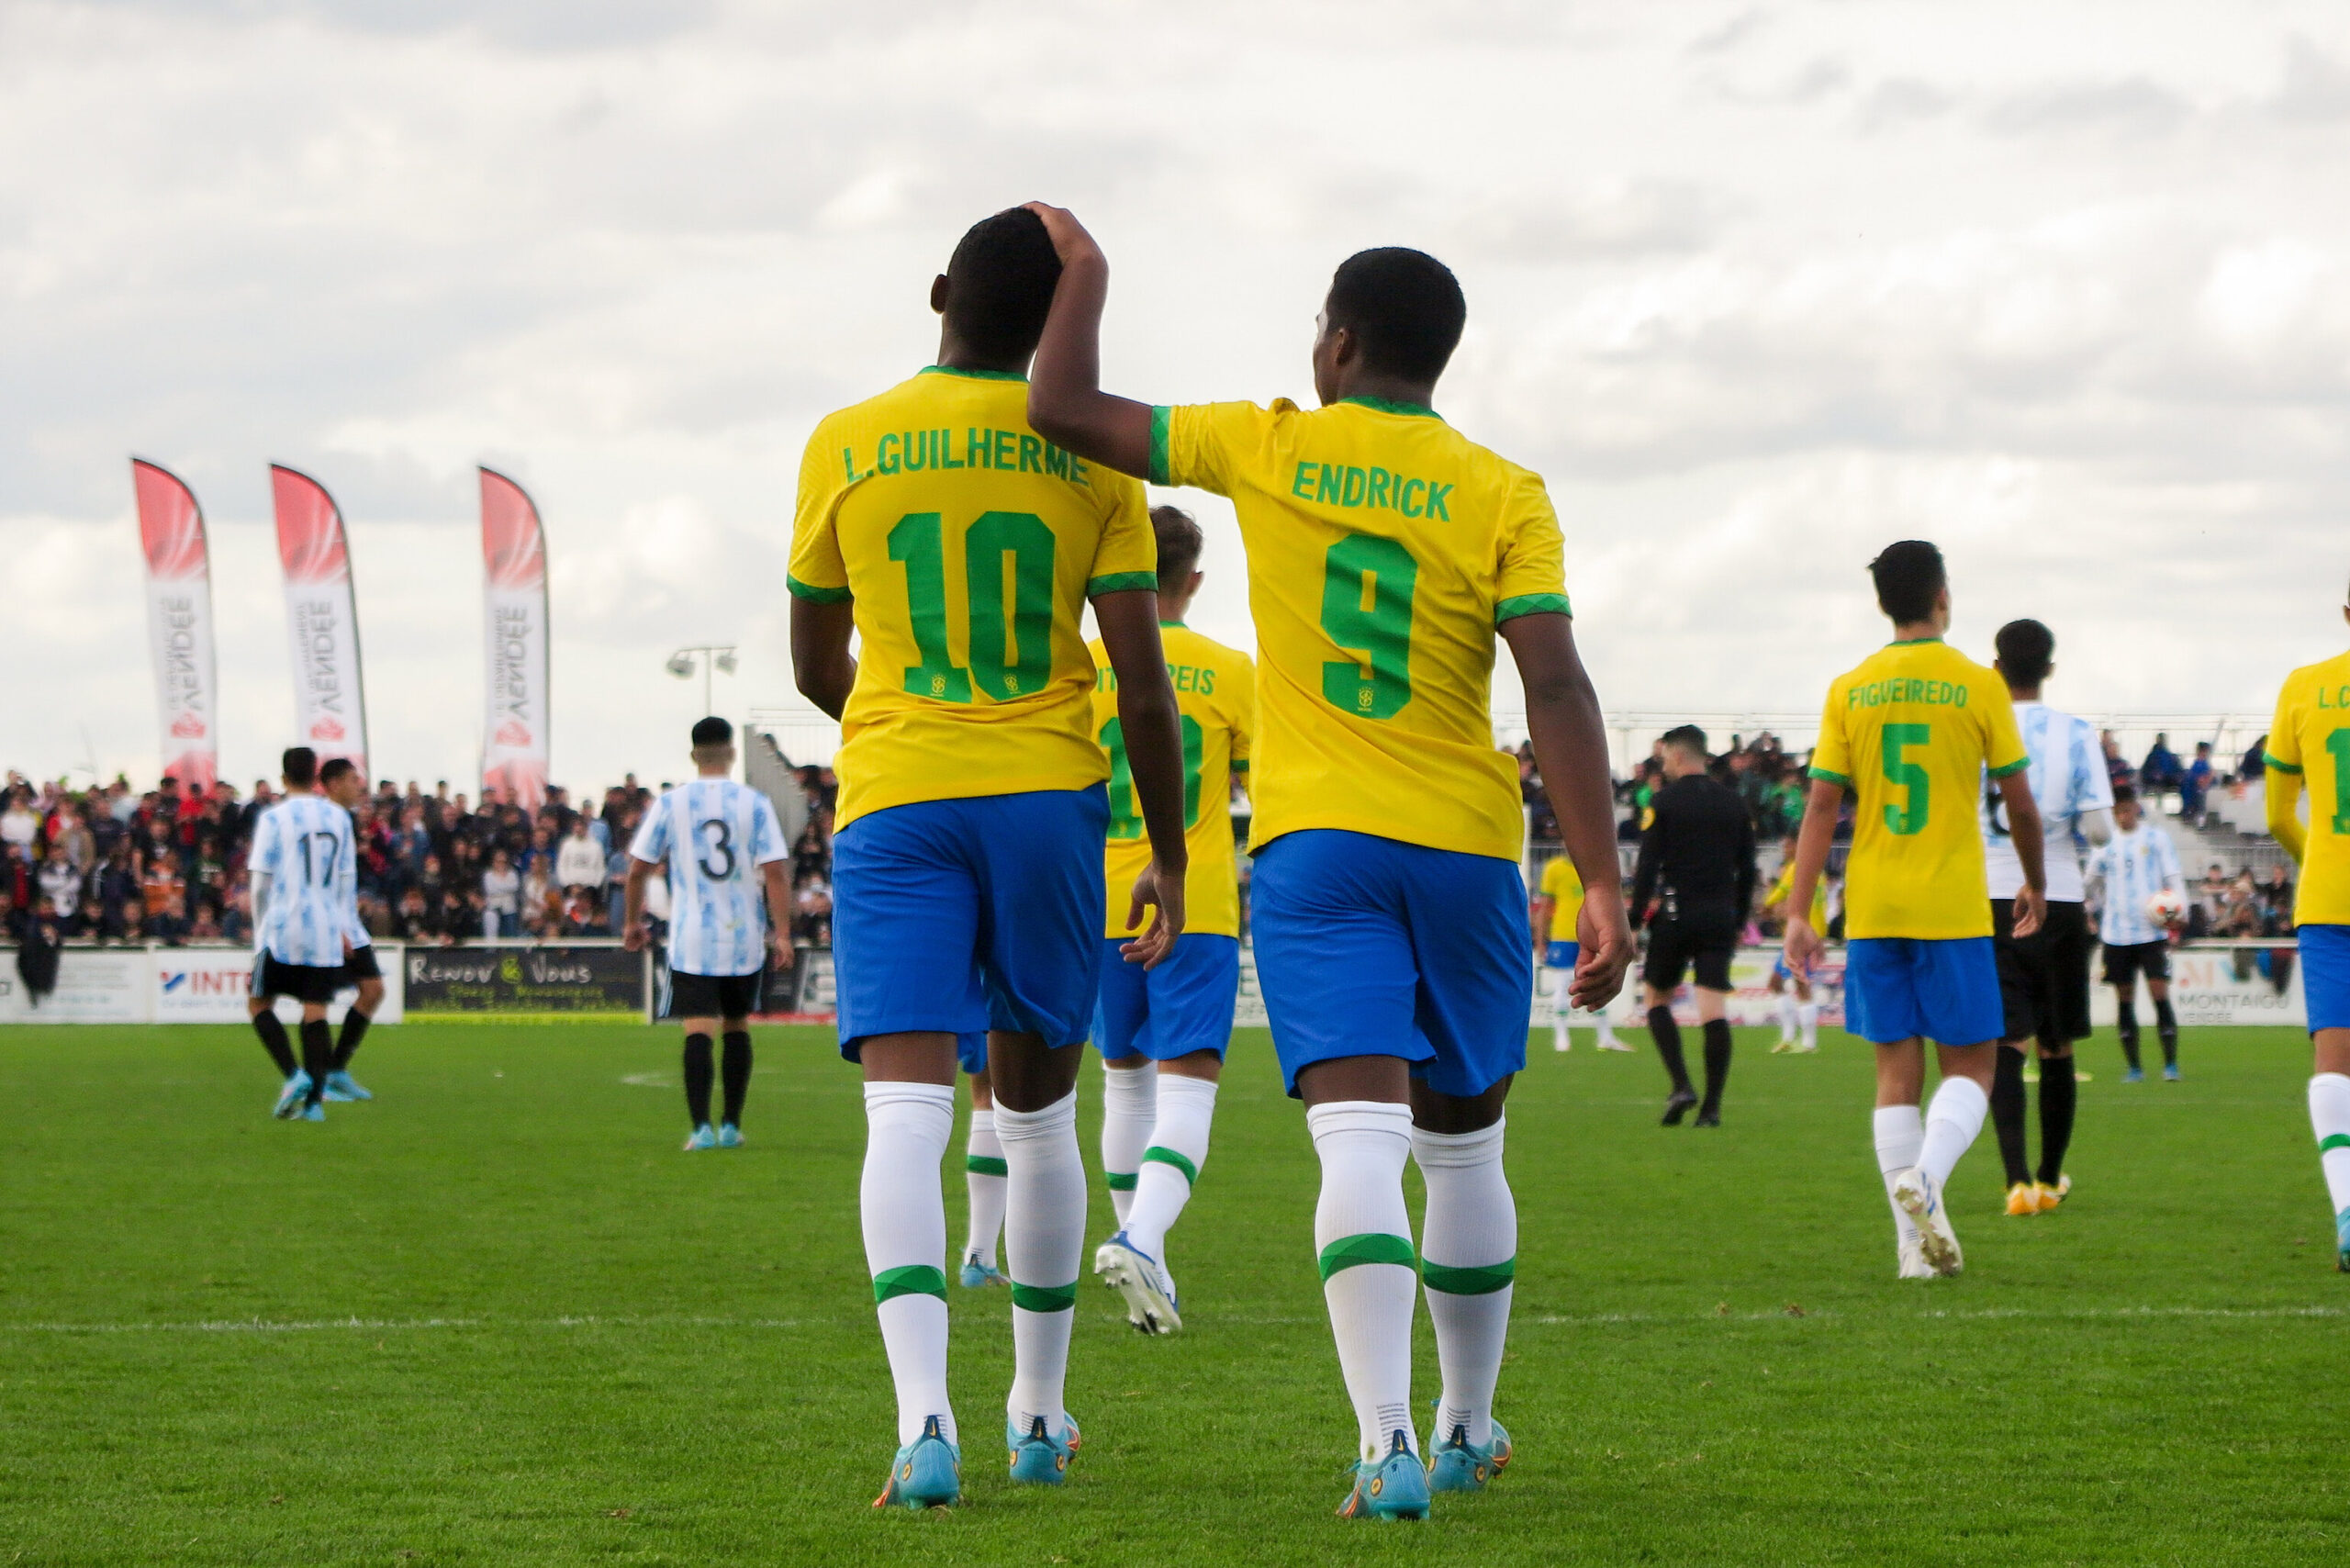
{"x":915,"y":1279}
{"x":2333,"y":1140}
{"x":1372,"y":1247}
{"x":1044,"y":1298}
{"x":1120,"y":1181}
{"x":986,"y":1165}
{"x":1169,"y":1157}
{"x":1483,"y":1281}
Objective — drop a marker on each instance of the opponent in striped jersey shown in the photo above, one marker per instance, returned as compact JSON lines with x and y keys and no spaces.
{"x":301,"y":876}
{"x":341,"y":781}
{"x":723,"y":848}
{"x":2044,"y":978}
{"x":2135,"y":864}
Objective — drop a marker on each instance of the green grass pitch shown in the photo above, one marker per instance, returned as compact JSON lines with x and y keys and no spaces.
{"x":497,"y":1317}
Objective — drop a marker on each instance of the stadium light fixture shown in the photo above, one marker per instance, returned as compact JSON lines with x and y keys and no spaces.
{"x":712,"y":657}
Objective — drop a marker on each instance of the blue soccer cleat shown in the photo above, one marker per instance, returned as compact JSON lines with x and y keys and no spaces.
{"x":2341,"y":1241}
{"x":1459,"y":1465}
{"x":1389,"y":1489}
{"x":700,"y":1138}
{"x":290,"y":1098}
{"x":1143,"y":1280}
{"x":729,"y":1135}
{"x":1040,"y":1459}
{"x":2170,"y":1072}
{"x":927,"y":1473}
{"x":342,"y":1088}
{"x":2135,"y":1075}
{"x":314,"y":1112}
{"x":976,"y":1274}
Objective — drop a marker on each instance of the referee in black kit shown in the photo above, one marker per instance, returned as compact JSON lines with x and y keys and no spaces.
{"x":1693,"y":889}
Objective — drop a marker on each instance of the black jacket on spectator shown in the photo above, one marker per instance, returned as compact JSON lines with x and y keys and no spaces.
{"x":1699,"y":851}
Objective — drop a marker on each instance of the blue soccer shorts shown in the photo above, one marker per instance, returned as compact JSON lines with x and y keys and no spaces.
{"x":1900,"y":988}
{"x":967,"y":916}
{"x":2325,"y":975}
{"x":1183,"y":1006}
{"x":1561,"y":955}
{"x":1370,"y":946}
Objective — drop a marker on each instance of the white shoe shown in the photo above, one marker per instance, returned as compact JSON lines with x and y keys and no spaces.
{"x":1143,"y":1280}
{"x":1806,"y":1048}
{"x":1913,"y":1261}
{"x":1562,"y":1041}
{"x":1923,"y":1204}
{"x":1610,"y":1043}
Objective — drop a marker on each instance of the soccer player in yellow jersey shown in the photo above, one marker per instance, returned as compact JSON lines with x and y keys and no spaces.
{"x":1387,"y":556}
{"x":1557,"y":906}
{"x":1911,"y":732}
{"x":1162,"y":1031}
{"x":2309,"y":742}
{"x":962,"y":550}
{"x":1798,"y":1008}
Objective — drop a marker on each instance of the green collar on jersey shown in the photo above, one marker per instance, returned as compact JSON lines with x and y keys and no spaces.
{"x":974,"y":374}
{"x":1389,"y":406}
{"x":1910,"y":642}
{"x":1165,"y":624}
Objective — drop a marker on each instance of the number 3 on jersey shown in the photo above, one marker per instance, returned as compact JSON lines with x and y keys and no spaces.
{"x":1126,"y":820}
{"x":1011,"y":656}
{"x":1367,"y":585}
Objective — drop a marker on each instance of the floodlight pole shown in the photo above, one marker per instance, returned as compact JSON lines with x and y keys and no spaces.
{"x":708,"y":654}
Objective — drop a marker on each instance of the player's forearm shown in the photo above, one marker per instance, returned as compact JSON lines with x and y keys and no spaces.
{"x":1570,"y":738}
{"x":2024,"y":831}
{"x":2283,"y":812}
{"x":821,"y":665}
{"x":779,"y":896}
{"x":632,"y":900}
{"x":1066,"y":403}
{"x":1152,"y":726}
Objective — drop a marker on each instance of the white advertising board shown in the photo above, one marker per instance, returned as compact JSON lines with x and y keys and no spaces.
{"x":166,"y":985}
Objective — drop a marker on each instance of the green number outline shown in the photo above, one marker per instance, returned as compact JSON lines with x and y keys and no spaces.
{"x":2337,"y":746}
{"x":1908,"y":818}
{"x":1125,"y":819}
{"x":1011,"y":657}
{"x":918,"y":540}
{"x":1382,"y":635}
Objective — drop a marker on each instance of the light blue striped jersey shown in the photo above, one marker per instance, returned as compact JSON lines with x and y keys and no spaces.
{"x":303,"y":845}
{"x":2136,"y":866}
{"x":715,"y":835}
{"x":2068,"y":780}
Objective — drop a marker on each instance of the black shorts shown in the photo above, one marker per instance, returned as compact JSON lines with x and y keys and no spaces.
{"x":1702,"y":938}
{"x":362,"y":965}
{"x":303,"y":982}
{"x":2124,"y":964}
{"x":2044,"y":978}
{"x":713,"y":996}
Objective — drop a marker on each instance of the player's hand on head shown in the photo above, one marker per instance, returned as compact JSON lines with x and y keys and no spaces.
{"x":1069,"y":236}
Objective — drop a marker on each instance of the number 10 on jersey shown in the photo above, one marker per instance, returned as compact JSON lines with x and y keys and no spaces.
{"x":1007,"y":561}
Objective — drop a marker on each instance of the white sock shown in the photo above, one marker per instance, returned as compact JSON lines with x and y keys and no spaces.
{"x":1607,"y":1028}
{"x":983,"y":1177}
{"x":1561,"y":1009}
{"x":1787,"y":1018}
{"x":1468,"y":1260}
{"x":1900,"y":1131}
{"x":903,"y":1208}
{"x":2330,"y":1119}
{"x":1952,"y":1118}
{"x":1364,"y":1239}
{"x":1129,"y":1106}
{"x":1808,"y":1014}
{"x":1043,"y":1234}
{"x":1179,"y":1146}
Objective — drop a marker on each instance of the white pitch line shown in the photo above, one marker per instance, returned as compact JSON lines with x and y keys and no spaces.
{"x":1602,"y":1319}
{"x":393,"y":1325}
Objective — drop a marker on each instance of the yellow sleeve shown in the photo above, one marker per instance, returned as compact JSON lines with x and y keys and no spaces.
{"x":2003,"y":751}
{"x":1785,"y":886}
{"x":2283,"y":747}
{"x":1242,"y":698}
{"x":1127,"y":557}
{"x":1205,"y":445}
{"x":817,"y":572}
{"x":1532,"y":579}
{"x":1832,"y":757}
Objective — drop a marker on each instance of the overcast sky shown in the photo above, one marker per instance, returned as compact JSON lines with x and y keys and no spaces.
{"x":1758,"y":288}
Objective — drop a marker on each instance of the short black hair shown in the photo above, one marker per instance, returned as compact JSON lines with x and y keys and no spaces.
{"x":299,"y":765}
{"x":1404,"y":305}
{"x":2125,"y":795}
{"x":2027,"y":652}
{"x":1686,"y":737}
{"x":335,"y":767}
{"x":713,"y":731}
{"x":1909,"y":574}
{"x":999,"y":285}
{"x":1180,"y":544}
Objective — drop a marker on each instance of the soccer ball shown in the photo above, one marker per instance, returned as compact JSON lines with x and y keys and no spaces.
{"x":2166,"y":908}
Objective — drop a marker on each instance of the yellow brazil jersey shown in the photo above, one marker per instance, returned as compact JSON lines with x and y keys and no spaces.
{"x":1383,"y":549}
{"x":1564,"y":887}
{"x":2310,"y":740}
{"x":1909,"y":733}
{"x":969,"y":545}
{"x":1215,"y":691}
{"x":1782,"y":890}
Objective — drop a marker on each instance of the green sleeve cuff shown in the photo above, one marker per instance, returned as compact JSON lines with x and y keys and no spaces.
{"x":1827,"y":777}
{"x":1531,"y":604}
{"x":2018,"y":765}
{"x":1123,"y":582}
{"x":814,"y":594}
{"x":1239,"y":765}
{"x":2278,"y":763}
{"x":1158,"y":422}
